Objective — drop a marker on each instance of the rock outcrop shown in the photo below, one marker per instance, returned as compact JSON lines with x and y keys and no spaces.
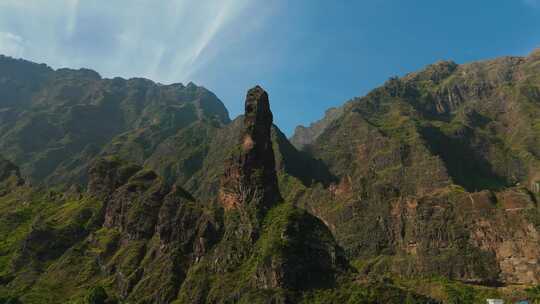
{"x":250,"y":173}
{"x":268,"y":245}
{"x":159,"y":230}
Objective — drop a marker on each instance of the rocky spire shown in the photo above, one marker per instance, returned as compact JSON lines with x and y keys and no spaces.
{"x":250,"y":176}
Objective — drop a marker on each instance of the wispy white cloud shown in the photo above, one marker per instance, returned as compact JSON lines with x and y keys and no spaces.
{"x":165,"y":40}
{"x":189,"y":60}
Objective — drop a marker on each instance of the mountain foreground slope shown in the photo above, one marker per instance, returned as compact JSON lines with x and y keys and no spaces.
{"x":425,"y":190}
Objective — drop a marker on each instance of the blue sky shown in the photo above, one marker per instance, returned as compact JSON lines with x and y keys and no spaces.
{"x":308,"y":54}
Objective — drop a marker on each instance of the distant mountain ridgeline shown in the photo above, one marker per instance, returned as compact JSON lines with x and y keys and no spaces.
{"x":53,"y":123}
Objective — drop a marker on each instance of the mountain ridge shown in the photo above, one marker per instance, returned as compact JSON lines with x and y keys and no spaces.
{"x":331,"y":115}
{"x":423,"y":191}
{"x":79,"y":114}
{"x":425,"y":146}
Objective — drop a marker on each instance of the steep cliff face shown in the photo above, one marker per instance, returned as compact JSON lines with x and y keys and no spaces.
{"x":250,"y":175}
{"x":268,"y":246}
{"x":481,"y":237}
{"x":131,"y":233}
{"x":425,"y":166}
{"x":480,"y":119}
{"x":159,"y":231}
{"x":54,"y":123}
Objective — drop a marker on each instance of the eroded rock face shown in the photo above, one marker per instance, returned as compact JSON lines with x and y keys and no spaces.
{"x":160,"y":230}
{"x":267,"y":245}
{"x":168,"y":231}
{"x":480,"y":237}
{"x":430,"y":168}
{"x":514,"y":241}
{"x":106,"y":175}
{"x":250,"y":176}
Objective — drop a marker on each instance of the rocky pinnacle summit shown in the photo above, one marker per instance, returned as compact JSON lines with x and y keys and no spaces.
{"x":250,"y":177}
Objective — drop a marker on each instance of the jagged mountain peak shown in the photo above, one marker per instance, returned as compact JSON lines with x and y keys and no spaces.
{"x":257,"y":120}
{"x":250,"y":175}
